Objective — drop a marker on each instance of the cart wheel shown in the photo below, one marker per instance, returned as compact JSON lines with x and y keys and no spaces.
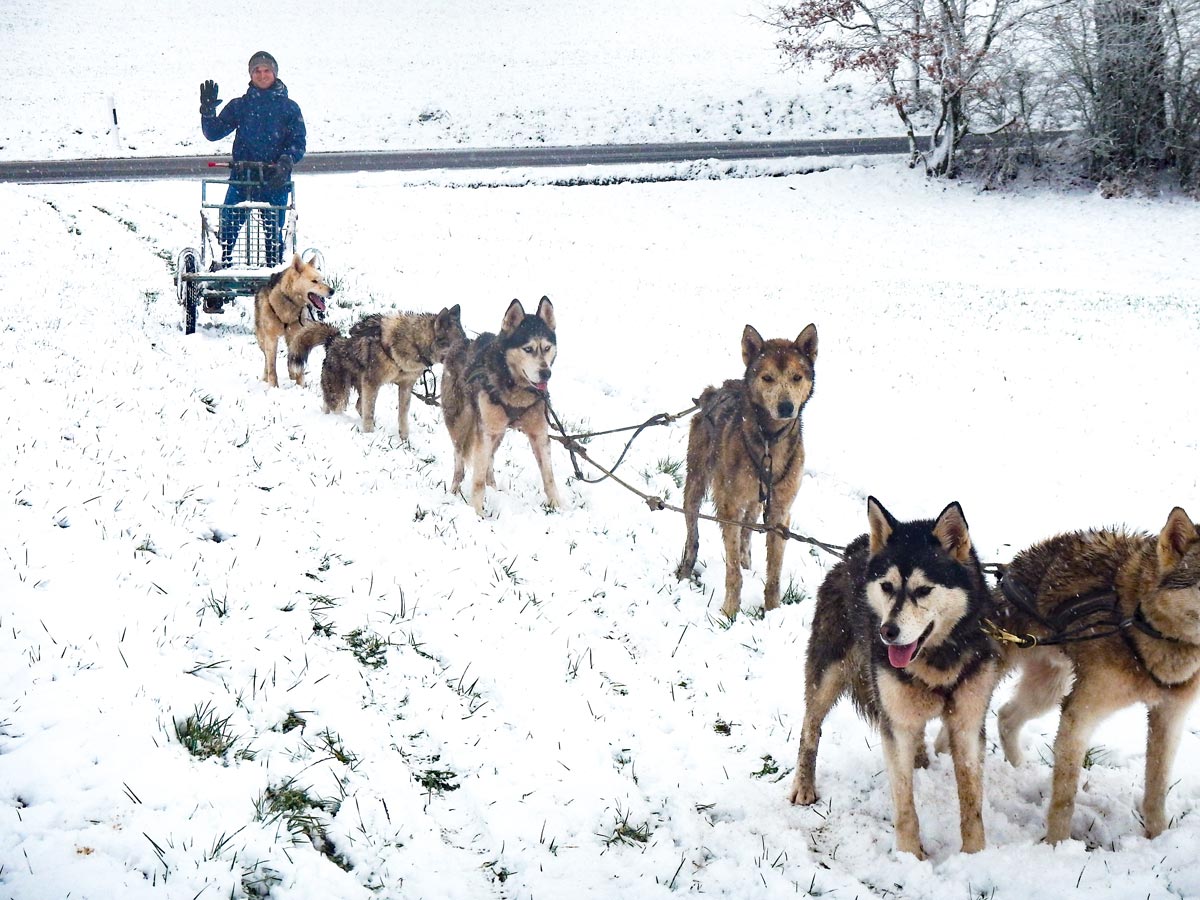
{"x":189,"y":291}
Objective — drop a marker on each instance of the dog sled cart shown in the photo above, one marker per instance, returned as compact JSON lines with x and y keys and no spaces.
{"x":265,"y":239}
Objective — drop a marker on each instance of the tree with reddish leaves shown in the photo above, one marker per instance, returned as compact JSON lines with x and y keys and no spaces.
{"x":938,"y":62}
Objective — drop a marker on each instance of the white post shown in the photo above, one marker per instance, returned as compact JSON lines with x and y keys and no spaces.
{"x":116,"y":131}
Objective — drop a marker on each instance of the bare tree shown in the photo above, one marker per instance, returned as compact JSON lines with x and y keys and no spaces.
{"x":1182,"y":84}
{"x":941,"y":62}
{"x":1130,"y":87}
{"x":1131,"y":68}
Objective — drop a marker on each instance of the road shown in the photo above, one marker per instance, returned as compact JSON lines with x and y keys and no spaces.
{"x":156,"y":168}
{"x":143,"y":168}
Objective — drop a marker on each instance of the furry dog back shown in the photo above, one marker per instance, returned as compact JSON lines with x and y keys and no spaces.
{"x":1134,"y":600}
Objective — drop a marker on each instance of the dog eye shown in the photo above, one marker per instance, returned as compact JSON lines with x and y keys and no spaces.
{"x":922,"y":592}
{"x":769,"y":379}
{"x":529,"y":350}
{"x":797,"y":378}
{"x":887,"y":587}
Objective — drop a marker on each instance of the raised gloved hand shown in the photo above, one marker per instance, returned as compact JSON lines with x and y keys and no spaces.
{"x":281,"y":172}
{"x":208,"y":98}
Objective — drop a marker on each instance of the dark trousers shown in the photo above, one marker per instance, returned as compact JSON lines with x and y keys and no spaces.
{"x":233,"y":217}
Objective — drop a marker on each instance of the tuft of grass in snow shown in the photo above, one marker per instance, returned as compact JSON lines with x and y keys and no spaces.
{"x":437,"y":780}
{"x":769,"y":767}
{"x":332,"y":744}
{"x":292,"y":721}
{"x":625,"y":833}
{"x":672,"y":468}
{"x":300,"y":813}
{"x":369,"y":649}
{"x":793,"y":593}
{"x":475,"y":700}
{"x":219,"y":605}
{"x":509,"y":571}
{"x":204,"y":734}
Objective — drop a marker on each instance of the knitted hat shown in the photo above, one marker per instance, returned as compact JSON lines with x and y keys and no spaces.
{"x":263,"y":58}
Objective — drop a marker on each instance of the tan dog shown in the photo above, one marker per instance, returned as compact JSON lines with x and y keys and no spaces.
{"x":282,"y":307}
{"x":396,"y":349}
{"x":746,"y":444}
{"x":897,"y":628}
{"x":1142,"y":592}
{"x":497,"y":382}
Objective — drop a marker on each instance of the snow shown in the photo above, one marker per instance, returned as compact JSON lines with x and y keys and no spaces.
{"x":423,"y":74}
{"x":181,"y":538}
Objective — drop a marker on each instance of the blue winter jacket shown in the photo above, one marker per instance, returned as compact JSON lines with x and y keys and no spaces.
{"x":268,"y":125}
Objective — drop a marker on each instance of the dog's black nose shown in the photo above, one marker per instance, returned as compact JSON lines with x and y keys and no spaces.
{"x":889,"y":631}
{"x":786,"y":409}
{"x":545,"y":374}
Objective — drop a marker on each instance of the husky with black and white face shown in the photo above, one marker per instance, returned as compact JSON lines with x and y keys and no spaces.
{"x":919,"y":584}
{"x":897,"y":627}
{"x":497,"y":383}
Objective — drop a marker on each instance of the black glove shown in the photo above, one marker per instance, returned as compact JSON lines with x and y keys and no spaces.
{"x":281,"y":172}
{"x":208,"y":98}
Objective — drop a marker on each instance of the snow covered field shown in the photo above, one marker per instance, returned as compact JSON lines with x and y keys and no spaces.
{"x":416,"y":74}
{"x":423,"y":704}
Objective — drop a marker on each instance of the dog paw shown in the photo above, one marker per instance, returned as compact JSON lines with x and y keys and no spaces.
{"x":911,"y":846}
{"x":802,"y":794}
{"x":1155,"y":824}
{"x":1012,"y":749}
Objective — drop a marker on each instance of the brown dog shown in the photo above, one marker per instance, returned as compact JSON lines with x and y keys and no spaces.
{"x":1142,"y":593}
{"x":380,"y":350}
{"x":282,"y":307}
{"x":746,"y":443}
{"x":497,"y":382}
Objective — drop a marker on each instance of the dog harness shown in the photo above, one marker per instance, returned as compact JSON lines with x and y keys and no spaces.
{"x":493,"y":393}
{"x":1085,"y":617}
{"x":764,"y":463}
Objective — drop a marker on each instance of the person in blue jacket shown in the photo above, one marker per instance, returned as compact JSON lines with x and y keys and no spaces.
{"x":270,"y":130}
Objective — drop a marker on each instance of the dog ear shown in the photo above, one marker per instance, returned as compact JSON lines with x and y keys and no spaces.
{"x":806,"y":343}
{"x":297,"y":263}
{"x":752,"y":344}
{"x":1175,"y":538}
{"x":880,"y":524}
{"x":951,"y":531}
{"x":513,"y":316}
{"x":545,"y":312}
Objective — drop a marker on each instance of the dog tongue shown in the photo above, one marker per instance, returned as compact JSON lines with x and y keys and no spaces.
{"x":900,"y":655}
{"x":541,"y":385}
{"x":317,"y":300}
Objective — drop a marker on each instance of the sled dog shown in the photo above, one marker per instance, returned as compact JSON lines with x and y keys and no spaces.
{"x":746,"y":444}
{"x":497,"y":382}
{"x":1146,"y":592}
{"x":897,"y":627}
{"x":282,"y":308}
{"x":395,"y":349}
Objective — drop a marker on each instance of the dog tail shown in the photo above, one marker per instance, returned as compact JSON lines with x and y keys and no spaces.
{"x":306,"y":340}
